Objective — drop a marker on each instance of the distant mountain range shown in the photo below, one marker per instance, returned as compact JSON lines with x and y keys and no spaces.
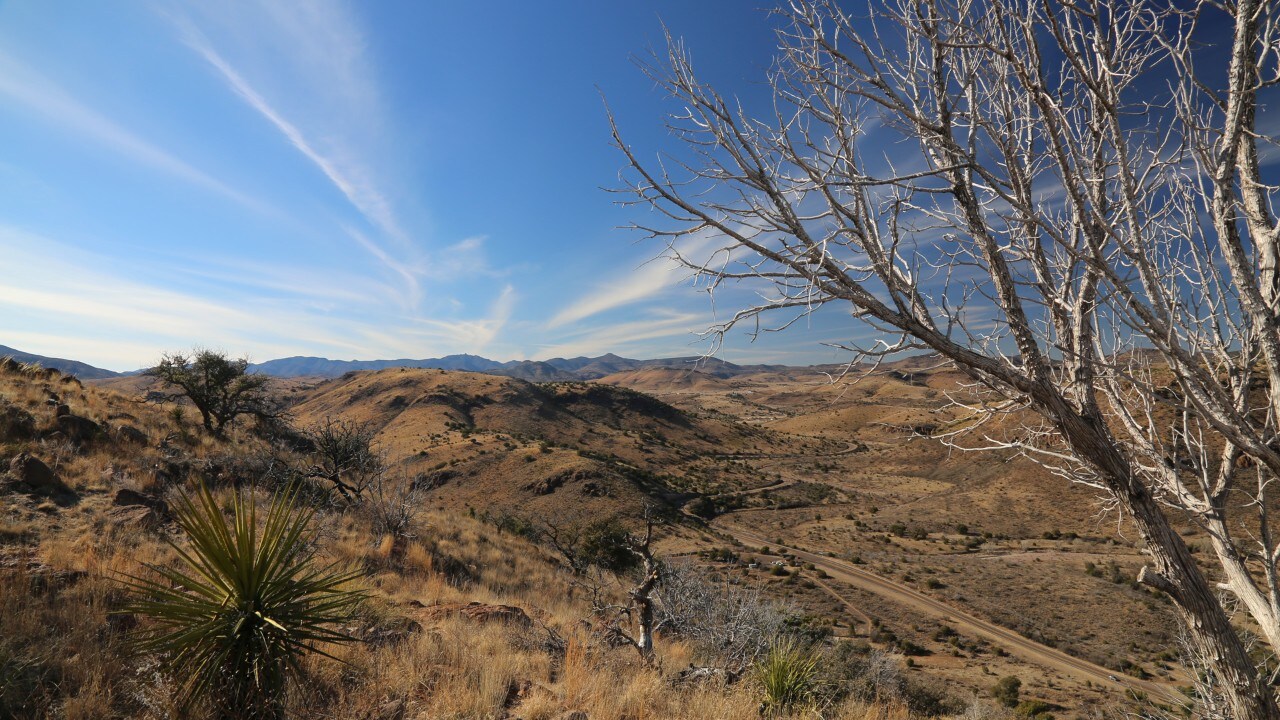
{"x":579,"y":368}
{"x":73,"y":367}
{"x":555,"y":369}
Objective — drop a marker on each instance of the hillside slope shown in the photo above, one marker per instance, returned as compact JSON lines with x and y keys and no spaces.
{"x":564,"y":450}
{"x":81,"y":370}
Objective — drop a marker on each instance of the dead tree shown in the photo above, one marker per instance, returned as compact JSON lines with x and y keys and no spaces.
{"x":346,"y":457}
{"x":631,"y":623}
{"x":1053,"y":198}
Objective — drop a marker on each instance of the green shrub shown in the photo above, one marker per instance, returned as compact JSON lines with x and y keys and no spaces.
{"x":250,"y":603}
{"x":1006,"y":691}
{"x":788,"y":674}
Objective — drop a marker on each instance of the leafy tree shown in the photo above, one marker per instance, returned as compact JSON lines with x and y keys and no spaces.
{"x":607,"y":544}
{"x":221,"y":388}
{"x":250,"y":603}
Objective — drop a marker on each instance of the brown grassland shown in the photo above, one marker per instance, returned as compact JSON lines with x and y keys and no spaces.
{"x":837,"y":470}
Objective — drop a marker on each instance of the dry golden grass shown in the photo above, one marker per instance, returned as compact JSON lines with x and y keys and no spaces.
{"x":62,"y":651}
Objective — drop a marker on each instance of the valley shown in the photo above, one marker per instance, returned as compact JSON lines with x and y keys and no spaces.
{"x":827,"y":496}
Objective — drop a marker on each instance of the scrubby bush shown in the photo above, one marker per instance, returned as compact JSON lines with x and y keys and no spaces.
{"x":729,"y":626}
{"x":1007,"y":690}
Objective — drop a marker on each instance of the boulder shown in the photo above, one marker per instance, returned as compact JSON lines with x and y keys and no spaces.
{"x":29,"y":469}
{"x":132,"y":498}
{"x":131,"y":434}
{"x":134,"y":516}
{"x":473,"y":611}
{"x":32,"y":472}
{"x":15,"y":423}
{"x":79,"y":429}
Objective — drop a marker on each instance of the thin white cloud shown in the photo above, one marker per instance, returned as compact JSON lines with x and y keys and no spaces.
{"x":45,"y":285}
{"x":619,"y":337}
{"x":474,"y":335}
{"x":404,"y":270}
{"x":38,"y":93}
{"x":642,"y":283}
{"x":348,"y":176}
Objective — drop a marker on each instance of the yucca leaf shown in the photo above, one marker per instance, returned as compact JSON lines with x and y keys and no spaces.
{"x":247,"y":605}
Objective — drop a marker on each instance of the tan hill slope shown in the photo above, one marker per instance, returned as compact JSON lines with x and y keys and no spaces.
{"x":553,"y":450}
{"x":463,"y":620}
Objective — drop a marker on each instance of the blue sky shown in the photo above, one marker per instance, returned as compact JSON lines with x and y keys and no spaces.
{"x":349,"y":180}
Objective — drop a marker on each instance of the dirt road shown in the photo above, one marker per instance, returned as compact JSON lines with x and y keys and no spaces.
{"x":1011,"y":641}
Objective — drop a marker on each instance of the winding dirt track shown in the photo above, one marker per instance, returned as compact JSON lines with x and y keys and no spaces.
{"x":1013,"y":642}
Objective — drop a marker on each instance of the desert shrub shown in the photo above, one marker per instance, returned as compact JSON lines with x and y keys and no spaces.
{"x":704,"y":507}
{"x":249,"y":604}
{"x":603,"y":544}
{"x":1007,"y":690}
{"x":1034,"y":710}
{"x":345,"y":457}
{"x":730,"y":626}
{"x":854,"y":670}
{"x":789,"y":676}
{"x":392,"y":506}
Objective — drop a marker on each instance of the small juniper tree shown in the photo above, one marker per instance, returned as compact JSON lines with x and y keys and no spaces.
{"x":221,"y":388}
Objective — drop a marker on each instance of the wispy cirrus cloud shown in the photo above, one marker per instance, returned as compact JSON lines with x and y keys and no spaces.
{"x":319,"y":93}
{"x":648,"y":280}
{"x":679,"y":327}
{"x":350,"y":179}
{"x":40,"y":94}
{"x":47,"y":286}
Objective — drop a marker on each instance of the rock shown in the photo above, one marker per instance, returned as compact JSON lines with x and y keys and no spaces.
{"x":517,"y":692}
{"x":694,"y":675}
{"x":15,"y":423}
{"x":61,"y":409}
{"x":9,"y":365}
{"x":79,"y":429}
{"x":31,"y":471}
{"x":134,"y":516}
{"x":132,"y":498}
{"x":131,"y":434}
{"x":474,"y":611}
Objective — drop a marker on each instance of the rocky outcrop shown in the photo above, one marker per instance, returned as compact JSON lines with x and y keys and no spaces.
{"x":79,"y":429}
{"x":30,"y":471}
{"x":15,"y":423}
{"x":131,"y":434}
{"x":476,"y":612}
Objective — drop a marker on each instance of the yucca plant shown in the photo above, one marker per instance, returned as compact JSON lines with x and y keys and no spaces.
{"x":788,"y":674}
{"x":250,"y":602}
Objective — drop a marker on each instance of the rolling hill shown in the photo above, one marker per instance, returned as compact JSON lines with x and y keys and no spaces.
{"x":74,"y":367}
